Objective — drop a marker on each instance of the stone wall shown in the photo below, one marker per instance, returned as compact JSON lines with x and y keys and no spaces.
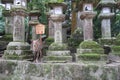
{"x":23,"y":70}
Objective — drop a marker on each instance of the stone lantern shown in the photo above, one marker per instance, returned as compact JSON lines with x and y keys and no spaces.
{"x":34,"y":20}
{"x":18,"y":49}
{"x":116,"y":46}
{"x":8,"y":18}
{"x":87,"y":15}
{"x":106,"y":14}
{"x":58,"y":49}
{"x":88,"y":46}
{"x":57,"y":17}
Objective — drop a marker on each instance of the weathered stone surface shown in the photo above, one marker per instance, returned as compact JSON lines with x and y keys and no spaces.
{"x":23,"y":70}
{"x":88,"y":24}
{"x":103,"y":41}
{"x":57,"y":59}
{"x":18,"y":51}
{"x":9,"y":25}
{"x":90,"y":50}
{"x":106,"y":29}
{"x":58,"y":53}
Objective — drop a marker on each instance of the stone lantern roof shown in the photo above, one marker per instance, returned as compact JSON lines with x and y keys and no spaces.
{"x":51,"y":5}
{"x":34,"y":13}
{"x":6,"y":13}
{"x":6,"y":1}
{"x":81,"y":3}
{"x":106,"y":3}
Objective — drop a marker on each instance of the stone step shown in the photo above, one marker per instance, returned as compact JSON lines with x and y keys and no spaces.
{"x":91,"y":57}
{"x":55,"y":59}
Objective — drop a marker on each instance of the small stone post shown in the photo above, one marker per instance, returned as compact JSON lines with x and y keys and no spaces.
{"x":18,"y":49}
{"x":8,"y":18}
{"x":88,"y":48}
{"x":58,"y":49}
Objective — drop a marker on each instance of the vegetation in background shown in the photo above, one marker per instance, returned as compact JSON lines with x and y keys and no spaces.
{"x":2,"y":21}
{"x":42,"y":5}
{"x":75,"y":39}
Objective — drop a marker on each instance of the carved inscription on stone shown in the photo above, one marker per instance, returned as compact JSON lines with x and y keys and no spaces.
{"x":58,"y":32}
{"x":18,"y":29}
{"x":88,"y":31}
{"x":106,"y":29}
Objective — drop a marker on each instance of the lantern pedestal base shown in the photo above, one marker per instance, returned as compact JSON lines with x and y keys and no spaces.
{"x":18,"y":51}
{"x":58,"y":53}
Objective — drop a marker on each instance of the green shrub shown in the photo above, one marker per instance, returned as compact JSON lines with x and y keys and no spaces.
{"x":48,"y":41}
{"x":117,"y":42}
{"x":76,"y":38}
{"x":7,"y":38}
{"x":107,"y":41}
{"x":118,"y":36}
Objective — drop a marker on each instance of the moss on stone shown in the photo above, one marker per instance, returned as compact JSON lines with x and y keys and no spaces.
{"x":58,"y":46}
{"x":89,"y":45}
{"x":117,"y":41}
{"x":6,"y":13}
{"x":90,"y":56}
{"x":18,"y":57}
{"x":107,"y":41}
{"x":47,"y":69}
{"x":116,"y":48}
{"x":118,"y":36}
{"x":32,"y":68}
{"x":94,"y":68}
{"x":86,"y":73}
{"x":18,"y":52}
{"x":116,"y":53}
{"x":104,"y":76}
{"x":57,"y":58}
{"x":18,"y":47}
{"x":109,"y":73}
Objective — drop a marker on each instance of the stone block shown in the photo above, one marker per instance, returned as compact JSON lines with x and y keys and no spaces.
{"x":18,"y":51}
{"x":107,"y":41}
{"x":57,"y":59}
{"x":24,"y":70}
{"x":91,"y":57}
{"x":82,"y":51}
{"x":58,"y":53}
{"x":18,"y":54}
{"x":58,"y":47}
